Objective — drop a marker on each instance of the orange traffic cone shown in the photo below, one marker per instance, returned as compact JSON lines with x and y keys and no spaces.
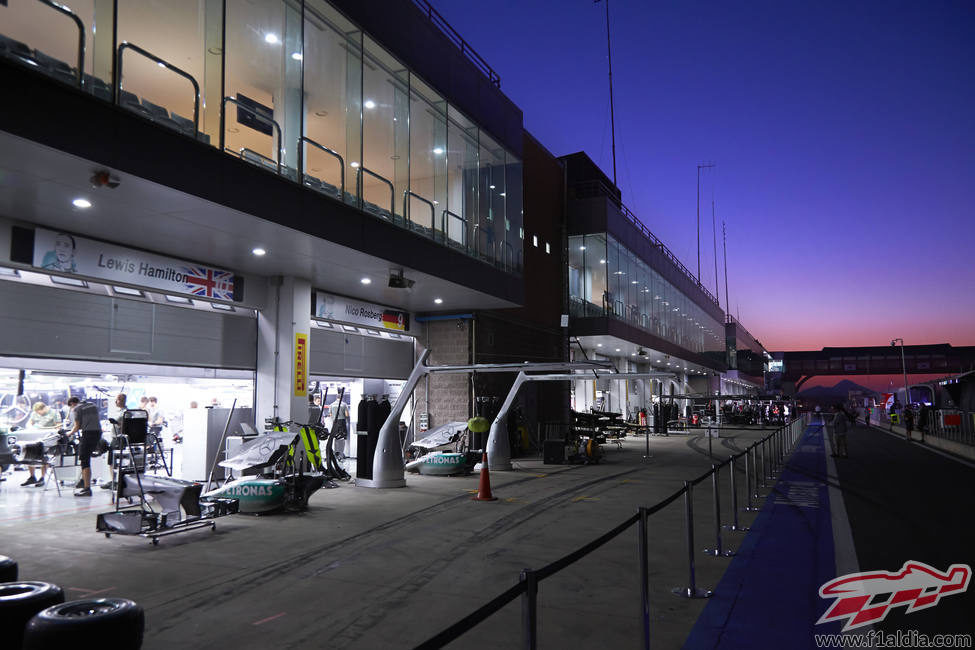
{"x":484,"y":489}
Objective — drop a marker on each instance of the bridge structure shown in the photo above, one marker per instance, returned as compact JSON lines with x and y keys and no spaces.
{"x":937,"y":359}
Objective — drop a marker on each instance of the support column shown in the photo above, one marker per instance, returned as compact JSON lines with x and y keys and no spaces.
{"x":283,"y":345}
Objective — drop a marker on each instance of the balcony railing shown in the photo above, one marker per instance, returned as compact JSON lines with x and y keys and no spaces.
{"x":465,"y":48}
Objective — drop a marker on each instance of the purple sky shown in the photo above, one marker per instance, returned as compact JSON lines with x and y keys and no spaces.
{"x":843,"y":132}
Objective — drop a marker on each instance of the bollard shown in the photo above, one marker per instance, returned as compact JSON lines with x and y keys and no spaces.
{"x":529,"y":610}
{"x":644,"y":577}
{"x":764,"y":467}
{"x":734,"y":498}
{"x":691,"y":590}
{"x":717,"y":551}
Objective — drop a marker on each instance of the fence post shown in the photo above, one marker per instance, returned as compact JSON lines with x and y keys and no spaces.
{"x":749,"y":491}
{"x":717,"y":551}
{"x":529,"y":610}
{"x":734,"y":496}
{"x":764,"y":466}
{"x":644,"y":578}
{"x":691,"y":590}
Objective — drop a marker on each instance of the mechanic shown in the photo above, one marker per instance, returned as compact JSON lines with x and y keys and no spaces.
{"x":41,"y":417}
{"x":85,"y":420}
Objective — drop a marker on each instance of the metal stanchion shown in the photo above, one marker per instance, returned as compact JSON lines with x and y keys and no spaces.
{"x":646,"y":434}
{"x":529,"y":610}
{"x":764,"y":466}
{"x":734,"y":497}
{"x":644,"y":577}
{"x":717,"y":551}
{"x":691,"y":590}
{"x":749,"y":463}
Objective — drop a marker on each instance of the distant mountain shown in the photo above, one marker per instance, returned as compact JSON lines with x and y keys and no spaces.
{"x":840,"y":391}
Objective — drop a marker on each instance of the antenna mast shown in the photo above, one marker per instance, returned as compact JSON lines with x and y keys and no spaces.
{"x":724,"y":243}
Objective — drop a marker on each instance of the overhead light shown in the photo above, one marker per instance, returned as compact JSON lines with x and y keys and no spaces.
{"x":617,"y":349}
{"x":81,"y":203}
{"x":366,"y":280}
{"x":126,"y":291}
{"x":634,"y":282}
{"x":270,"y":38}
{"x":438,"y":150}
{"x":490,"y":187}
{"x":501,"y":194}
{"x":178,"y":299}
{"x":599,"y":345}
{"x":221,"y":307}
{"x":582,"y":248}
{"x":354,"y":165}
{"x":632,"y":354}
{"x":9,"y":272}
{"x":260,"y":252}
{"x":438,"y":301}
{"x":161,"y":64}
{"x":296,"y":56}
{"x":369,"y":104}
{"x":349,"y":328}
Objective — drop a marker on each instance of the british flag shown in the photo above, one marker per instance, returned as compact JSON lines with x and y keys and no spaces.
{"x":864,"y":598}
{"x":209,"y":283}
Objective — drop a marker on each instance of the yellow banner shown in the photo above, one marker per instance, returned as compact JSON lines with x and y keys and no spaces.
{"x":301,"y":365}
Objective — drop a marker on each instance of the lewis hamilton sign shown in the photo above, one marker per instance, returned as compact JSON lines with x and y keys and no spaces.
{"x":67,"y":253}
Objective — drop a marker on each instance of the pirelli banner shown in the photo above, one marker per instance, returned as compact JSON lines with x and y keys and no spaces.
{"x":332,"y":307}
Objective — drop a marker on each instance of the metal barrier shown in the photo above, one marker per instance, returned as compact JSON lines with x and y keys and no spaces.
{"x":81,"y":35}
{"x":778,"y":445}
{"x":330,"y":152}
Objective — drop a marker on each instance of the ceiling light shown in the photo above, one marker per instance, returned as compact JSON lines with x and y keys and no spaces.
{"x":296,"y":56}
{"x":490,"y":187}
{"x":602,"y":261}
{"x":221,"y":307}
{"x":599,"y":345}
{"x":366,"y":281}
{"x":369,"y":104}
{"x":270,"y":38}
{"x":354,"y":165}
{"x":126,"y":291}
{"x":81,"y":203}
{"x":501,"y":194}
{"x":71,"y":282}
{"x":161,"y":64}
{"x":438,"y":150}
{"x":634,"y":282}
{"x":582,"y":248}
{"x":260,"y":252}
{"x":617,"y":349}
{"x":179,"y":300}
{"x":632,"y":354}
{"x":438,"y":300}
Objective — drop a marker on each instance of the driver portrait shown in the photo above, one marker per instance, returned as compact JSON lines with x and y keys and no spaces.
{"x":62,"y":257}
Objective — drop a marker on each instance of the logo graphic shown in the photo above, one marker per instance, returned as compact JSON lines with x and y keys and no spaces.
{"x":864,"y":598}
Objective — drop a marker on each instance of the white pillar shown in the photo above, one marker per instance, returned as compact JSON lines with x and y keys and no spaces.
{"x":283,"y":346}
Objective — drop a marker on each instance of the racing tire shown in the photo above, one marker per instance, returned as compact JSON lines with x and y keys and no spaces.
{"x":19,"y":601}
{"x":8,"y":569}
{"x":87,"y":623}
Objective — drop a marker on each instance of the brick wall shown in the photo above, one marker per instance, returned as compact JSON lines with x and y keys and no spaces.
{"x":449,"y":343}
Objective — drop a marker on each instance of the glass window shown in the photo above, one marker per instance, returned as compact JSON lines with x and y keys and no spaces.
{"x":50,"y":37}
{"x":263,"y":83}
{"x":332,"y":59}
{"x":595,"y":284}
{"x":491,"y":195}
{"x":514,"y":208}
{"x":384,"y":172}
{"x":428,"y":161}
{"x":462,"y":183}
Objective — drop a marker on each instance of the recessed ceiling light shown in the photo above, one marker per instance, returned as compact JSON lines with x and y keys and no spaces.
{"x":490,"y":187}
{"x":354,"y":165}
{"x":221,"y":307}
{"x":366,"y":281}
{"x":617,"y":349}
{"x":126,"y":291}
{"x":271,"y":38}
{"x":602,"y":261}
{"x":582,"y":248}
{"x":178,"y":299}
{"x":438,"y":150}
{"x":296,"y":56}
{"x":438,"y":300}
{"x":81,"y":203}
{"x":599,"y":345}
{"x":369,"y":104}
{"x":259,"y":251}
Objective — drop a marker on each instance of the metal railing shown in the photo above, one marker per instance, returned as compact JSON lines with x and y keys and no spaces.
{"x":358,"y":187}
{"x":331,"y":152}
{"x":444,"y":225}
{"x":407,"y":195}
{"x":953,"y":425}
{"x":125,"y":45}
{"x":81,"y":36}
{"x":258,"y":116}
{"x":441,"y":23}
{"x":770,"y":452}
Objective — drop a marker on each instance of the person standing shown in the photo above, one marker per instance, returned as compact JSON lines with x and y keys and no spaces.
{"x":838,"y":429}
{"x":908,"y":421}
{"x":924,"y":420}
{"x":115,"y":412}
{"x":866,"y":416}
{"x":86,"y":421}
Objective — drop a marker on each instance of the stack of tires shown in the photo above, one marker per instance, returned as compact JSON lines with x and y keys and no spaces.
{"x":34,"y":615}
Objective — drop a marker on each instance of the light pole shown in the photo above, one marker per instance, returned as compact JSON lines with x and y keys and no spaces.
{"x":907,"y":389}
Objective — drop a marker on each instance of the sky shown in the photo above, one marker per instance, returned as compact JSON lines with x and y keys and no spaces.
{"x":843,"y":135}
